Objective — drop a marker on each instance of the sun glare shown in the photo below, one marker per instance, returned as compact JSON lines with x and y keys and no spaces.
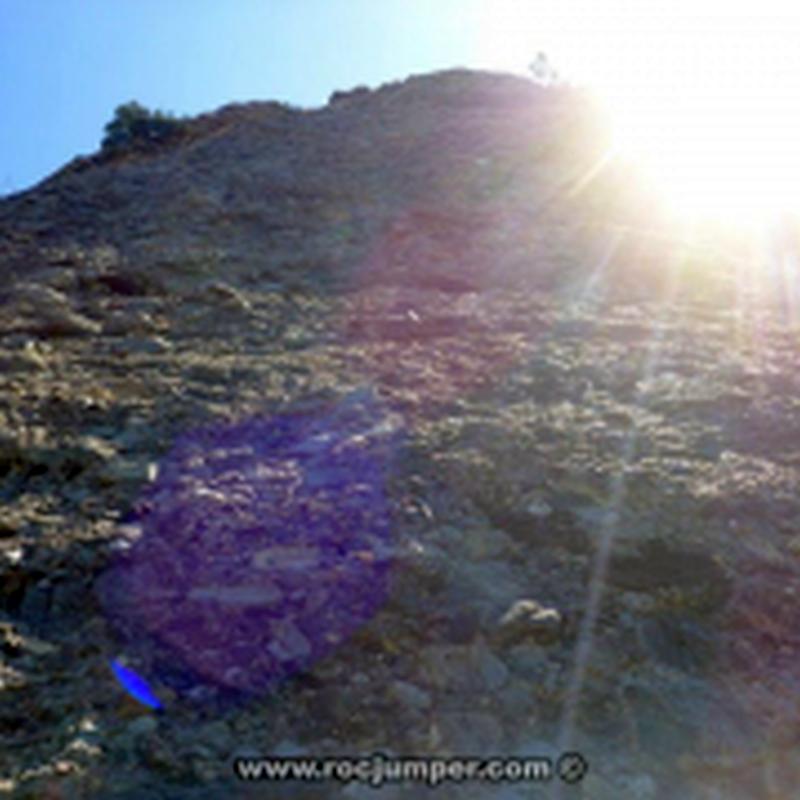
{"x":704,"y":95}
{"x":711,"y":119}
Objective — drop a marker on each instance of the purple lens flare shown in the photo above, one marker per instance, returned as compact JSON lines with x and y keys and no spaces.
{"x":264,"y":544}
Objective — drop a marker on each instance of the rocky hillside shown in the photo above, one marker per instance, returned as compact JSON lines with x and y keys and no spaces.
{"x":405,"y":424}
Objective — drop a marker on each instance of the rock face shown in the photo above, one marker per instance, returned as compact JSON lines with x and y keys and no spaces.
{"x":394,"y":425}
{"x":261,"y":190}
{"x":260,"y":546}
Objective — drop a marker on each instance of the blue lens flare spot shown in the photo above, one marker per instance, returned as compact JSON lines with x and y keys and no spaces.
{"x":135,"y":685}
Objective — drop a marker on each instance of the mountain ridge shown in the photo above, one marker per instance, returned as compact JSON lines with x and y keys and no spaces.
{"x":261,"y":175}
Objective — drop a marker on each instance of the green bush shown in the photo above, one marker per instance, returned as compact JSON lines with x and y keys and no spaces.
{"x":133,"y":125}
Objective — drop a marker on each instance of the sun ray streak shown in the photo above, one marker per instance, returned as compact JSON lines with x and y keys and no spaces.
{"x":608,"y":531}
{"x":583,"y":649}
{"x":591,"y":287}
{"x":782,"y":268}
{"x":790,"y":276}
{"x":581,"y":182}
{"x":572,"y":185}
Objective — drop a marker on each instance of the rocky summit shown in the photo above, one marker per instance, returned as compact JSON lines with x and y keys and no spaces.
{"x":408,"y":424}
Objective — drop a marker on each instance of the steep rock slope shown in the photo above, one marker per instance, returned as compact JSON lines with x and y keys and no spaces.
{"x":395,"y":425}
{"x":262,"y":186}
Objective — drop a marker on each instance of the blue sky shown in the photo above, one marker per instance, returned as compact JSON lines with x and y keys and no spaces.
{"x":66,"y":64}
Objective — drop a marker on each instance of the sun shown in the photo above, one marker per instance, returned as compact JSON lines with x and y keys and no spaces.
{"x":712,"y":119}
{"x":703,"y":95}
{"x":731,"y":161}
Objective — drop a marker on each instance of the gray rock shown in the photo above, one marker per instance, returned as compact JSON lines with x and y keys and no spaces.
{"x":141,"y":726}
{"x":484,"y":543}
{"x":287,"y":748}
{"x":141,"y":345}
{"x":469,"y":732}
{"x":227,"y":296}
{"x":492,"y":672}
{"x":528,"y":619}
{"x":535,"y":748}
{"x":463,"y":668}
{"x":124,"y":322}
{"x":410,"y":696}
{"x":528,"y":660}
{"x":677,"y":642}
{"x":539,"y":508}
{"x":450,"y":667}
{"x":639,"y":786}
{"x":50,"y":312}
{"x":217,"y":736}
{"x":59,"y":322}
{"x":133,"y":471}
{"x":33,"y":297}
{"x":517,"y":699}
{"x":28,"y":357}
